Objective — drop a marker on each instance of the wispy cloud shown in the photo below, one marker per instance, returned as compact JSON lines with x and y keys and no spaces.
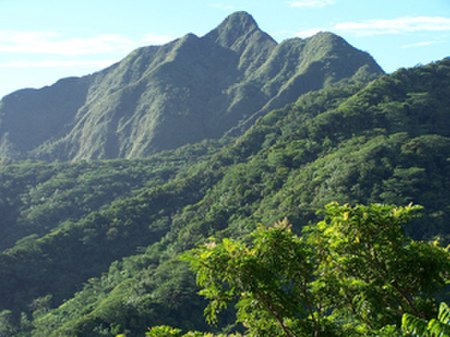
{"x":394,"y":26}
{"x":420,"y":44}
{"x":52,"y":43}
{"x":56,"y":63}
{"x":400,"y":25}
{"x":311,"y":3}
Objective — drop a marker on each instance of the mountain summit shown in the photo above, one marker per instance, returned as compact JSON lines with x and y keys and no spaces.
{"x":162,"y":97}
{"x":234,"y":30}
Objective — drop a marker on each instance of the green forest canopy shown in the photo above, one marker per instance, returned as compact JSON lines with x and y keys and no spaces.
{"x":91,"y":248}
{"x":355,"y":273}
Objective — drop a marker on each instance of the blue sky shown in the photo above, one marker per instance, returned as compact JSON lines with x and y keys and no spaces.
{"x":42,"y":41}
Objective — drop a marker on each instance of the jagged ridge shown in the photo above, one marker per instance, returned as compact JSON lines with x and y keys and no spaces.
{"x":162,"y":97}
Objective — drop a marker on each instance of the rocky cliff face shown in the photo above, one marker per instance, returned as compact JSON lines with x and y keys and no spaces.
{"x":162,"y":97}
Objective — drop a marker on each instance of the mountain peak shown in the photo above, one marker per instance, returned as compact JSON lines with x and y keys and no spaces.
{"x":233,"y":28}
{"x":162,"y":97}
{"x":328,"y":38}
{"x":239,"y":20}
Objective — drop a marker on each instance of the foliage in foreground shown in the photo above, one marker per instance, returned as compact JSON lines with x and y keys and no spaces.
{"x":355,"y":273}
{"x":167,"y":331}
{"x":439,"y":326}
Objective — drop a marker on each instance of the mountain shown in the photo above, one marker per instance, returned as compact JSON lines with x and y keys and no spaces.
{"x":163,"y":97}
{"x":93,"y":248}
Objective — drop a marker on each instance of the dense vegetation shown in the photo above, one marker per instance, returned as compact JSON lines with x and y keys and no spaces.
{"x":99,"y":242}
{"x":354,"y":273}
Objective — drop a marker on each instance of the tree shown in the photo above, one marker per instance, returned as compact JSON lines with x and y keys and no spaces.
{"x":7,"y":327}
{"x":368,"y":271}
{"x":167,"y":331}
{"x":268,"y":277}
{"x":436,"y":327}
{"x":353,"y":274}
{"x":163,"y":331}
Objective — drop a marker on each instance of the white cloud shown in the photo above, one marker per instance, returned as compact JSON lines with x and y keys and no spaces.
{"x":311,"y":3}
{"x":420,"y":44}
{"x":56,"y":63}
{"x":52,"y":43}
{"x":387,"y":26}
{"x":394,"y":26}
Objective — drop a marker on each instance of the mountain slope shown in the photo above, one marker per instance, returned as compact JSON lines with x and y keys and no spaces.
{"x":387,"y":142}
{"x":162,"y":97}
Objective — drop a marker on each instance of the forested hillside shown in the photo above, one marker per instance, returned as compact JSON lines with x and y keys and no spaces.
{"x":92,"y":248}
